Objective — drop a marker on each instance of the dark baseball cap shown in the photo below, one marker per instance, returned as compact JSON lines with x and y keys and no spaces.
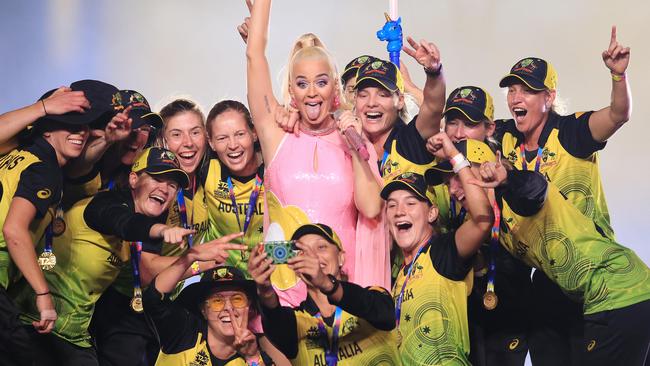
{"x":384,"y":74}
{"x":475,"y":151}
{"x":99,"y":96}
{"x":159,"y":161}
{"x":407,"y":181}
{"x":353,"y":67}
{"x":534,"y":72}
{"x":472,"y":101}
{"x":319,"y":229}
{"x":141,"y":113}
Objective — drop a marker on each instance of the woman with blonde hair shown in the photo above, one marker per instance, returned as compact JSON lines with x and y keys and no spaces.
{"x":314,"y":175}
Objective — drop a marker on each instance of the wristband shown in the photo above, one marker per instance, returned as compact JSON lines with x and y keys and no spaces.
{"x":434,"y":73}
{"x":45,"y":110}
{"x":618,"y":77}
{"x":195,"y":268}
{"x":43,"y":293}
{"x":459,"y":162}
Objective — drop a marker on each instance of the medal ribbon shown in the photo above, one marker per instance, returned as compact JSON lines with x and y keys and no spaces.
{"x":456,"y":221}
{"x":252,"y":201}
{"x":136,"y":252}
{"x":331,"y":348}
{"x":383,"y":161}
{"x":494,"y":244}
{"x":182,"y":211}
{"x":110,"y":185}
{"x":398,"y":304}
{"x":49,"y":231}
{"x":538,"y":159}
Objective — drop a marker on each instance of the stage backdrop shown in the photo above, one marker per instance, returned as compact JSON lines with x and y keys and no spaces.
{"x":168,"y":48}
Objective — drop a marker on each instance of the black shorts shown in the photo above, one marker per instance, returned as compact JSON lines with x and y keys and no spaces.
{"x":618,"y":337}
{"x":15,"y":341}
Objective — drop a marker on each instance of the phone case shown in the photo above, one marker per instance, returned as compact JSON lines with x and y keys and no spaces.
{"x":280,"y":251}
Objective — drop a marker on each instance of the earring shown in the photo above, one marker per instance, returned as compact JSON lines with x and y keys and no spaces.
{"x":337,"y":102}
{"x":292,"y":104}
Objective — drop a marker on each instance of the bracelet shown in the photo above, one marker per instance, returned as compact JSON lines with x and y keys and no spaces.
{"x":43,"y":104}
{"x":434,"y":73}
{"x":195,"y":268}
{"x":43,"y":293}
{"x":618,"y":77}
{"x":459,"y":162}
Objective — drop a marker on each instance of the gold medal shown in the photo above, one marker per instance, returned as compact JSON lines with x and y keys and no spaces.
{"x":490,"y":300}
{"x":58,"y":226}
{"x":136,"y":304}
{"x":47,"y":261}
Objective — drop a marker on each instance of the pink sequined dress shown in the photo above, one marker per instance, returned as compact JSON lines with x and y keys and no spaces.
{"x":310,"y":179}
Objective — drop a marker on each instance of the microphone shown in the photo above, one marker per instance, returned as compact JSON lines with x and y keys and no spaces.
{"x":353,"y":137}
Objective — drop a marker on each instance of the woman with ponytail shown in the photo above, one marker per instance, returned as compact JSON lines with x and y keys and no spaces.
{"x":313,"y":175}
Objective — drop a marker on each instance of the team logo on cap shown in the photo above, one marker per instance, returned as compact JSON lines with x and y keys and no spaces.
{"x":168,"y":157}
{"x":465,"y":95}
{"x":378,"y":67}
{"x":116,"y":101}
{"x":526,"y":65}
{"x":407,"y":177}
{"x":361,"y":60}
{"x":135,"y":100}
{"x":222,"y":274}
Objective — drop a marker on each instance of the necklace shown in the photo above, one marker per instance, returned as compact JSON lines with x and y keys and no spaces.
{"x":321,"y":132}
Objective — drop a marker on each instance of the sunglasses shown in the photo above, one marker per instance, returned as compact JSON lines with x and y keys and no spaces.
{"x":218,"y":302}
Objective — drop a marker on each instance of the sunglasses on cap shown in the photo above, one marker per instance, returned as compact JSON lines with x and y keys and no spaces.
{"x":218,"y":302}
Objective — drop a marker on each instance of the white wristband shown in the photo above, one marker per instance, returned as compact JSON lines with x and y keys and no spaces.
{"x":459,"y":162}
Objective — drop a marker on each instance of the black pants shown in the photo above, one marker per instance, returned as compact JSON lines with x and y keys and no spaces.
{"x":50,"y":350}
{"x":556,"y":334}
{"x":618,"y":337}
{"x":15,"y":341}
{"x":123,"y":337}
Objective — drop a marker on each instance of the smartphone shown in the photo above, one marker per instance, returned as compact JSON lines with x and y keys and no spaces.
{"x":280,"y":251}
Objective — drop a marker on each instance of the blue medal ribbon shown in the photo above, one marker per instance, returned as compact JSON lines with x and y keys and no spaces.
{"x":538,"y":159}
{"x":456,"y":219}
{"x":252,"y":201}
{"x":182,"y":211}
{"x":331,"y":348}
{"x":398,"y":303}
{"x":494,"y":246}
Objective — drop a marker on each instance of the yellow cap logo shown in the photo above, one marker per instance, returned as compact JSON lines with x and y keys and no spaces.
{"x":44,"y":193}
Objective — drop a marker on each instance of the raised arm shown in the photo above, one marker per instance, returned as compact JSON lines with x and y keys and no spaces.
{"x":261,"y":101}
{"x":63,"y":100}
{"x":427,"y":55}
{"x":605,"y":122}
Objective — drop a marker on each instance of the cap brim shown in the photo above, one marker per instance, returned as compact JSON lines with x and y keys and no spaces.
{"x":369,"y":81}
{"x":530,"y":82}
{"x":435,"y":175}
{"x":175,"y":174}
{"x":191,"y":296}
{"x":142,"y":117}
{"x":471,"y":113}
{"x":314,"y":229}
{"x":349,"y":74}
{"x":397,"y":185}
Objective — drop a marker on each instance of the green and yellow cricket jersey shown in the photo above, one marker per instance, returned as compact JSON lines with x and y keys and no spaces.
{"x":87,"y":262}
{"x":433,"y":318}
{"x":223,"y":219}
{"x":569,"y":160}
{"x":31,"y":173}
{"x":557,"y":238}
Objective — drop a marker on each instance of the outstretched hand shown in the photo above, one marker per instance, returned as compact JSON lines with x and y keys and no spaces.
{"x":217,"y":250}
{"x":616,"y":57}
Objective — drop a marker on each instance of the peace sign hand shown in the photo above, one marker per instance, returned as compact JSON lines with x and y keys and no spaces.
{"x":426,"y":53}
{"x":245,"y":341}
{"x":616,"y":57}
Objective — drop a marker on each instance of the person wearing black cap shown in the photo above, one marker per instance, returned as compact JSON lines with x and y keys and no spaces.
{"x":208,"y":323}
{"x":349,"y":76}
{"x":432,"y":287}
{"x":611,"y":281}
{"x":31,"y":181}
{"x":61,"y":101}
{"x":565,"y":150}
{"x":91,"y":242}
{"x":339,"y":323}
{"x":498,"y":334}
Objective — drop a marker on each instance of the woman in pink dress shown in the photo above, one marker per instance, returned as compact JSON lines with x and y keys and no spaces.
{"x":313,"y":175}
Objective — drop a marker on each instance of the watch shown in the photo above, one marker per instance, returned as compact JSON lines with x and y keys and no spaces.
{"x":335,"y":286}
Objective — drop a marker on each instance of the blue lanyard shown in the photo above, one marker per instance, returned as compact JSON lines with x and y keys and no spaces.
{"x":538,"y":159}
{"x":252,"y":201}
{"x":398,"y":305}
{"x":331,"y":348}
{"x":383,"y":161}
{"x":182,"y":211}
{"x":452,"y":213}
